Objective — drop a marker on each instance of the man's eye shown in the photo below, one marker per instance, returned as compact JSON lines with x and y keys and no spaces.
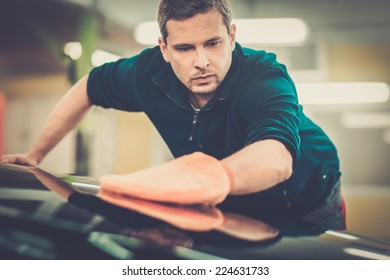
{"x":212,"y":44}
{"x":183,"y":49}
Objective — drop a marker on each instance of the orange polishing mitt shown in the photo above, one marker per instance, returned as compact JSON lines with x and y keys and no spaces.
{"x":191,"y":179}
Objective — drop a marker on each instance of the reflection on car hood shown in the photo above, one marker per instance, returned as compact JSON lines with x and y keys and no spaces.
{"x":60,"y":217}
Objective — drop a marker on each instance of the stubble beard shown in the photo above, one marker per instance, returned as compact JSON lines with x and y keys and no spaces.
{"x":206,"y":90}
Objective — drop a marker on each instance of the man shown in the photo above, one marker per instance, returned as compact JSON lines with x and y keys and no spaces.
{"x":204,"y":92}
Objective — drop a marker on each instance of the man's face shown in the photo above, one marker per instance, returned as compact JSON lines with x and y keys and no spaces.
{"x":199,"y":50}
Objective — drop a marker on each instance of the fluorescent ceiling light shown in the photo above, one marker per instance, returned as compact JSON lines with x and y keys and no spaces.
{"x":366,"y":254}
{"x":276,"y":31}
{"x":147,"y":33}
{"x":366,"y":120}
{"x":342,"y":235}
{"x":74,"y":50}
{"x":271,"y":31}
{"x":342,"y":93}
{"x":86,"y":185}
{"x":100,"y":57}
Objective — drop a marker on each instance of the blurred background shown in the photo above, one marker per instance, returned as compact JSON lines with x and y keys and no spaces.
{"x":338,"y":53}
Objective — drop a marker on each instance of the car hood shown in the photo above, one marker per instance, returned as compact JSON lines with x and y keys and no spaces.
{"x":47,"y":216}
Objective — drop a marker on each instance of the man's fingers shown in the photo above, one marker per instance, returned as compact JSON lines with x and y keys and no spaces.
{"x":6,"y":159}
{"x":17,"y":159}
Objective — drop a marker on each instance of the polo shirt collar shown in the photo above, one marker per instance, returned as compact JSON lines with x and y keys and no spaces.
{"x":167,"y":81}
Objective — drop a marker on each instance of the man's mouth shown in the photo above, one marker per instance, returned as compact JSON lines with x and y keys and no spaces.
{"x":203,"y":78}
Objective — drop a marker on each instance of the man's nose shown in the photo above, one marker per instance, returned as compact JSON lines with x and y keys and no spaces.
{"x":201,"y":59}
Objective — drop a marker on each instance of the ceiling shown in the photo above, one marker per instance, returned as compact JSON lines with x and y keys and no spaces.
{"x":336,"y":20}
{"x":31,"y":29}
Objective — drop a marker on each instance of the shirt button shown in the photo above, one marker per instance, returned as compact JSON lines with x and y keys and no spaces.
{"x":324,"y":176}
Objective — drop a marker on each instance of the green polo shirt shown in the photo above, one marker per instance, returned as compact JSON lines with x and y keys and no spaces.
{"x":257,"y":100}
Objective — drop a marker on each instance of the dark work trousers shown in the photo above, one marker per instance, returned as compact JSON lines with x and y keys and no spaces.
{"x":331,"y":213}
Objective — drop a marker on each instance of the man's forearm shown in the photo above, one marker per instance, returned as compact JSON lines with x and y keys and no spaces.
{"x":259,"y":166}
{"x":65,"y":116}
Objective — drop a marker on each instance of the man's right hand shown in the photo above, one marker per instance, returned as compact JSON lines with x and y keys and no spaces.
{"x":22,"y":159}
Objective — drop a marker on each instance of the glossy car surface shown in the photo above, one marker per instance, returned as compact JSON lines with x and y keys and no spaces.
{"x":43,"y":216}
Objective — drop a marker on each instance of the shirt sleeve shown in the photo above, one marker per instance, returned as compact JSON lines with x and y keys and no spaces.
{"x":270,"y":107}
{"x":113,"y":85}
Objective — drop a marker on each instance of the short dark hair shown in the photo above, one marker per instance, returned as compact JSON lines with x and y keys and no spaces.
{"x":184,"y":9}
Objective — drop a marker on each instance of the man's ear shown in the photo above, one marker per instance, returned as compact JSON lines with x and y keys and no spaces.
{"x":164,"y":49}
{"x":232,"y":36}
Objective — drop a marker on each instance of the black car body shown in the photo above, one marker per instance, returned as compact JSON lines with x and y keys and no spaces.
{"x":43,"y":216}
